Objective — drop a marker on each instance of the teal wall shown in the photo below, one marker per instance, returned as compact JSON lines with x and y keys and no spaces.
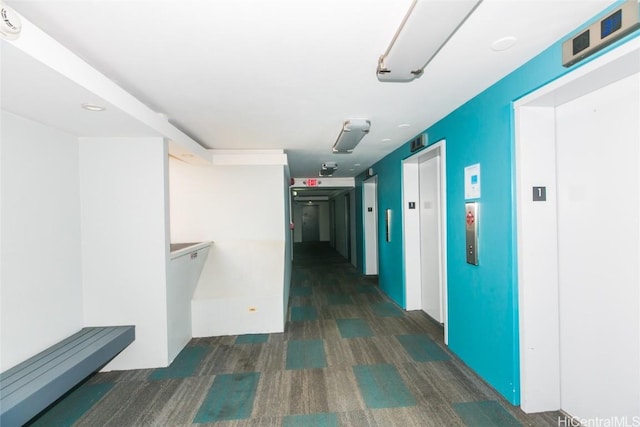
{"x":482,"y":300}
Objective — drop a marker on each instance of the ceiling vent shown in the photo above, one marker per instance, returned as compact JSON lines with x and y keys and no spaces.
{"x":353,"y":130}
{"x":425,"y":29}
{"x":10,"y":24}
{"x":328,"y":168}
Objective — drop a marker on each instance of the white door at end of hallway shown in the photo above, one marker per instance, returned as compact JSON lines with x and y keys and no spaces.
{"x":310,"y":223}
{"x":430,"y":236}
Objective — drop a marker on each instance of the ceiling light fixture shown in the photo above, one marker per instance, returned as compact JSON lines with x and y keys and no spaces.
{"x":425,"y":29}
{"x":503,"y":43}
{"x":92,"y":107}
{"x":353,"y":130}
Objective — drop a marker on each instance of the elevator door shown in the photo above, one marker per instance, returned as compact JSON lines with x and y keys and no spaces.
{"x":598,"y":251}
{"x":430,"y":236}
{"x":310,"y":223}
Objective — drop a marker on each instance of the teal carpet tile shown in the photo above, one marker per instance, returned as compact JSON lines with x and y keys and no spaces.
{"x":354,"y":328}
{"x":386,"y":309}
{"x":315,"y":420}
{"x":298,"y":277}
{"x":183,"y":366}
{"x":382,"y":387}
{"x":366,"y":289}
{"x":303,"y":313}
{"x":421,"y":348}
{"x":339,"y":299}
{"x":70,"y":409}
{"x":301,"y":291}
{"x":252,"y":339}
{"x":306,"y":354}
{"x":484,"y":414}
{"x":230,"y":397}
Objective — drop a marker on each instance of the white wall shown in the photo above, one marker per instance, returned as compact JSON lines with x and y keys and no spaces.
{"x":341,"y":226}
{"x":123,"y":187}
{"x":40,"y":285}
{"x":325,"y":221}
{"x":288,"y":261}
{"x":354,"y":241}
{"x":242,"y":209}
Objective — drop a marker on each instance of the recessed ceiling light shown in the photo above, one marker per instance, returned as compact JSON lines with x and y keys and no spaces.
{"x":92,"y":107}
{"x":386,"y":140}
{"x":404,"y":125}
{"x":351,"y":170}
{"x":356,"y":164}
{"x":503,"y":43}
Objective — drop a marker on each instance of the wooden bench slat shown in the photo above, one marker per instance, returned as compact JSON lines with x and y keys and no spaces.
{"x":41,"y":364}
{"x":37,"y":382}
{"x":47,"y":359}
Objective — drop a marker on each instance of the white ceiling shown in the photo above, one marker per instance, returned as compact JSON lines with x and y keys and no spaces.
{"x":266,"y":74}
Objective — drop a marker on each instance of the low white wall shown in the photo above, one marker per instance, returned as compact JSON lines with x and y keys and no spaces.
{"x":240,"y":289}
{"x":184,"y":274}
{"x":40,"y":274}
{"x":123,"y":187}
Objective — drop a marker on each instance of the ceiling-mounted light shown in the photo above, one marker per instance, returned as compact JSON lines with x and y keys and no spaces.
{"x":426,"y":27}
{"x":353,"y":130}
{"x":503,"y":43}
{"x":92,"y":107}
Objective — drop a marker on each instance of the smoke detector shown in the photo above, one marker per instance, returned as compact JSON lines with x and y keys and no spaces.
{"x":10,"y":24}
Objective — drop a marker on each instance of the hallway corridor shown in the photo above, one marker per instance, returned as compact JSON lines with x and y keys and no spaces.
{"x":349,"y":357}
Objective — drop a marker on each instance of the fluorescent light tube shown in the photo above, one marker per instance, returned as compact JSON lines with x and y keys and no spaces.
{"x":353,"y":130}
{"x":425,"y":29}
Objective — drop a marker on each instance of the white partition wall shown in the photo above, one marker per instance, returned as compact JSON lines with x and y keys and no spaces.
{"x":125,"y":242}
{"x":41,"y":277}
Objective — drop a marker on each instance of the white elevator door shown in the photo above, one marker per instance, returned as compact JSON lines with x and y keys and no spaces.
{"x":429,"y":173}
{"x":598,"y":162}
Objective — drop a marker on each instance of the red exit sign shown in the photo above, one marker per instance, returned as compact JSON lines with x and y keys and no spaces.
{"x":312,"y":182}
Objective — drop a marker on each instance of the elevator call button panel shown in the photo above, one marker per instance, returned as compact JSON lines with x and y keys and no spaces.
{"x":471,"y":221}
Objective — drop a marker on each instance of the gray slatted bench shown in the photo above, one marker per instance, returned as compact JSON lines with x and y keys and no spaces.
{"x":31,"y":386}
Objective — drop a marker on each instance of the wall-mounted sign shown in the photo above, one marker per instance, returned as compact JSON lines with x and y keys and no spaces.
{"x":539,"y":194}
{"x":472,"y":182}
{"x":417,"y":143}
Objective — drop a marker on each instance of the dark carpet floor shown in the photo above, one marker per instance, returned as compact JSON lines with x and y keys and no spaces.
{"x":348,"y":357}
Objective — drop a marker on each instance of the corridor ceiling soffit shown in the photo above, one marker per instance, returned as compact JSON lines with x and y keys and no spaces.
{"x":284,"y":74}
